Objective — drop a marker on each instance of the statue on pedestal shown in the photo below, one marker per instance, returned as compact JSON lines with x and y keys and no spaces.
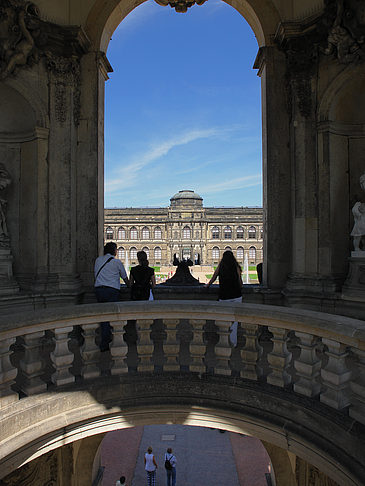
{"x":5,"y":180}
{"x":358,"y":210}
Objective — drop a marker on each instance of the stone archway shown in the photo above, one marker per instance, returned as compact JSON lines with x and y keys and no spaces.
{"x":67,"y":417}
{"x":263,"y":19}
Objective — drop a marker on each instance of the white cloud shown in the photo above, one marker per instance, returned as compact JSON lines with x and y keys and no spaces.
{"x":129,"y":173}
{"x":230,"y":184}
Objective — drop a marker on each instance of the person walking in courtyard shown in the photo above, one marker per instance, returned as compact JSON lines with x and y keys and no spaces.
{"x":230,"y":285}
{"x":170,"y":466}
{"x":142,"y":279}
{"x":150,"y":466}
{"x":121,"y":481}
{"x":108,"y":271}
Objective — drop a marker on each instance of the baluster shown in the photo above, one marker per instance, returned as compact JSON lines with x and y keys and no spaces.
{"x":251,"y":352}
{"x":197,"y":346}
{"x":62,"y":357}
{"x":144,"y":345}
{"x":223,"y":348}
{"x":171,"y":346}
{"x":32,"y":365}
{"x":90,"y":352}
{"x":119,"y":349}
{"x":308,"y":366}
{"x":279,"y":358}
{"x":336,"y":376}
{"x":8,"y":374}
{"x":357,"y":409}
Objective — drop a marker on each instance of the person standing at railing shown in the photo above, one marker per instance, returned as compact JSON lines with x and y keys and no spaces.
{"x":150,"y":466}
{"x":230,"y":285}
{"x":142,"y":279}
{"x":108,"y":271}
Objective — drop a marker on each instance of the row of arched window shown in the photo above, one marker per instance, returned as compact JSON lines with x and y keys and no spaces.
{"x":133,"y":253}
{"x":186,"y":233}
{"x":121,"y":233}
{"x":216,"y":253}
{"x":228,"y":233}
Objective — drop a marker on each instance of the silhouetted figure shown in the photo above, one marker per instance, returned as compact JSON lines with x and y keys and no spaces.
{"x":182,"y":275}
{"x":259,"y":272}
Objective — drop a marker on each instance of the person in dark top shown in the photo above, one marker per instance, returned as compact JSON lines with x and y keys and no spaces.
{"x":142,"y":278}
{"x":230,"y":285}
{"x":230,"y":279}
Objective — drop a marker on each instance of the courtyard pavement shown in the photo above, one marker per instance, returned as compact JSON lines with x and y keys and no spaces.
{"x":205,"y":457}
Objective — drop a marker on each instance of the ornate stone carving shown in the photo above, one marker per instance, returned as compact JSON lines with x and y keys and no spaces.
{"x":19,"y":27}
{"x":66,"y":72}
{"x":358,"y":231}
{"x":5,"y":180}
{"x":300,"y":42}
{"x":346,"y":36}
{"x":180,"y":5}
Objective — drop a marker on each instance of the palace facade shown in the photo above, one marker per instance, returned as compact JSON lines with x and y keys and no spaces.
{"x":188,"y":229}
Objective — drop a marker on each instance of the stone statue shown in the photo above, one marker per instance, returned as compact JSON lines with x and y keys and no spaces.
{"x":182,"y":275}
{"x":358,"y":231}
{"x":346,"y":36}
{"x":5,"y":180}
{"x":17,"y":44}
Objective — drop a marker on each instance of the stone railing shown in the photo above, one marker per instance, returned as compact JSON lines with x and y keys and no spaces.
{"x":319,"y":356}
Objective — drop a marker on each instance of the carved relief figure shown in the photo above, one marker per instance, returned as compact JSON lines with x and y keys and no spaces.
{"x":346,"y":36}
{"x":5,"y":180}
{"x":16,"y":38}
{"x":358,"y":231}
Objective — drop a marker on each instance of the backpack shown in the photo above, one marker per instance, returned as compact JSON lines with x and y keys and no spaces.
{"x":168,"y":464}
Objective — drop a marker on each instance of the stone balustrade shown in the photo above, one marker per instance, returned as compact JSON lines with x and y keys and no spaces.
{"x":319,"y":356}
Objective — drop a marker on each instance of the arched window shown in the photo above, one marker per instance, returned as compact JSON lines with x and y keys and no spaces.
{"x":228,"y":248}
{"x":240,"y":253}
{"x":215,"y":253}
{"x":147,"y":251}
{"x":252,"y":232}
{"x":240,"y":233}
{"x":109,"y":233}
{"x":252,"y":253}
{"x":261,"y":233}
{"x":145,"y":233}
{"x":227,"y":233}
{"x":133,"y":233}
{"x":158,"y":233}
{"x":133,"y":253}
{"x":186,"y":233}
{"x":158,"y":253}
{"x":121,"y":233}
{"x":121,"y":253}
{"x":215,"y":233}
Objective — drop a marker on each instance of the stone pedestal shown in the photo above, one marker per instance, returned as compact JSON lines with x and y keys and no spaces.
{"x":354,"y":285}
{"x":8,"y":284}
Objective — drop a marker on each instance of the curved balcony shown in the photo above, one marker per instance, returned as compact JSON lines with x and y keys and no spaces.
{"x":296,"y":378}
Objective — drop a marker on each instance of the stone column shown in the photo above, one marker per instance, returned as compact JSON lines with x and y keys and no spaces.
{"x":277,"y":216}
{"x":90,"y":164}
{"x":64,"y":76}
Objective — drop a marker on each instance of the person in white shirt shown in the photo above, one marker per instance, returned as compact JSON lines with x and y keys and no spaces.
{"x":170,"y":466}
{"x":108,"y":271}
{"x":150,"y":466}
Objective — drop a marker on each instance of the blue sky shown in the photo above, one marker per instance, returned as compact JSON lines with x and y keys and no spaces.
{"x":183,"y":108}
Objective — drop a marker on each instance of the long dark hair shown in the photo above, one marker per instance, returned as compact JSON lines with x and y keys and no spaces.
{"x":228,"y":264}
{"x":142,"y":258}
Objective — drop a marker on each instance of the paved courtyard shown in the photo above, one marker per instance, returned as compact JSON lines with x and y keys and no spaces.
{"x":205,"y":457}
